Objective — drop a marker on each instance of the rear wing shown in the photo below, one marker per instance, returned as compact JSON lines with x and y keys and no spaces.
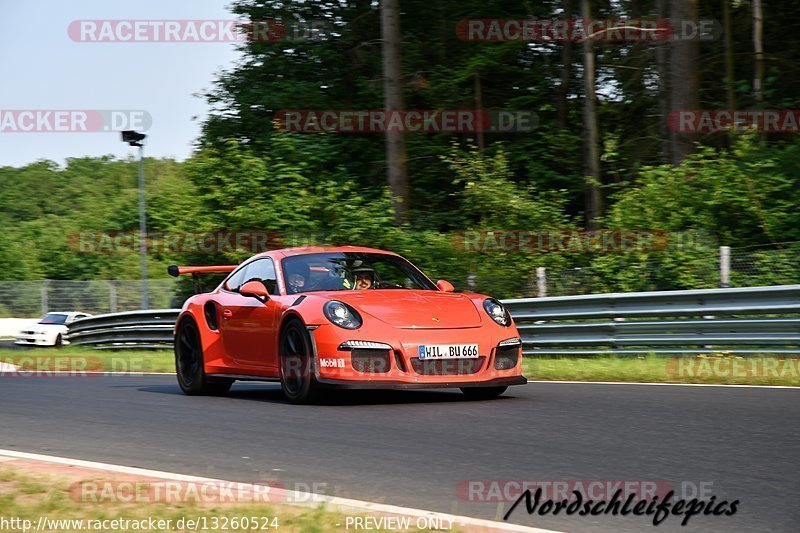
{"x":195,"y":271}
{"x":175,"y":270}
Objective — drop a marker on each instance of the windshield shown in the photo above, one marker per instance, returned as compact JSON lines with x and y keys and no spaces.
{"x":53,"y":318}
{"x":343,"y":271}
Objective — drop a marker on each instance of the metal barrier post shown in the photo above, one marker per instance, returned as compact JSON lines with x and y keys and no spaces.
{"x":112,"y":296}
{"x":724,"y":266}
{"x":43,"y":293}
{"x":541,"y":282}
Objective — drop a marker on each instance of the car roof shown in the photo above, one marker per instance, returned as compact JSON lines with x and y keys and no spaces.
{"x":303,"y":250}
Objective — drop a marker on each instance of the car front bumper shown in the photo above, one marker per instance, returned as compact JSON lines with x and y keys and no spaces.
{"x":35,"y":340}
{"x":404,"y":370}
{"x":390,"y":384}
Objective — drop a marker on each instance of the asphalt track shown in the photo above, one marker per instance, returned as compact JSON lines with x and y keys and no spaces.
{"x":413,"y":448}
{"x":8,"y":344}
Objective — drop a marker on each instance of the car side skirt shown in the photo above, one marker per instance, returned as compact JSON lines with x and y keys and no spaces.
{"x":243,"y":377}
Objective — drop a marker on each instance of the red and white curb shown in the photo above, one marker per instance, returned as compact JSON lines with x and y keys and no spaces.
{"x":302,"y":499}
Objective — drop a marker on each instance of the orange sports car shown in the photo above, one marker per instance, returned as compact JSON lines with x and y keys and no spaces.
{"x":344,"y":316}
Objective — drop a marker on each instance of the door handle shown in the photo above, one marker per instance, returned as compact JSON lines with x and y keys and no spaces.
{"x":227,"y":313}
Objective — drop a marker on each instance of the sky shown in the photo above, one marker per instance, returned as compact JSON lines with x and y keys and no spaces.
{"x":44,"y":69}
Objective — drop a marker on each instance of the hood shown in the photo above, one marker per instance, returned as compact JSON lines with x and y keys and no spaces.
{"x":414,"y":308}
{"x":44,"y":328}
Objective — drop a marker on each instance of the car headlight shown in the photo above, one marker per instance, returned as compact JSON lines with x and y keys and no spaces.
{"x":497,"y":312}
{"x":342,"y":315}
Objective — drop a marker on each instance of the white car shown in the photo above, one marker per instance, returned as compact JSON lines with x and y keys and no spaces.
{"x":51,"y":330}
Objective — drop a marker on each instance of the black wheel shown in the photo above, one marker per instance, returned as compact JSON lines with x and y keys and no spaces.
{"x":189,"y":363}
{"x":296,"y":364}
{"x":59,"y":341}
{"x":483,"y":393}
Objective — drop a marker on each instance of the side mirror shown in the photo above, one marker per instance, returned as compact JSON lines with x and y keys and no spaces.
{"x":445,"y":286}
{"x":255,"y":289}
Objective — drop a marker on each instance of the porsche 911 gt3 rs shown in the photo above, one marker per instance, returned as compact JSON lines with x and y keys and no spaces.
{"x":345,"y":316}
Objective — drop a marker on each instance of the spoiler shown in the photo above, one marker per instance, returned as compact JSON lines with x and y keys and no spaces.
{"x":175,"y":270}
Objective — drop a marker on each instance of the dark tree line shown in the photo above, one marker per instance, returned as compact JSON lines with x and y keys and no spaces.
{"x":602,"y":106}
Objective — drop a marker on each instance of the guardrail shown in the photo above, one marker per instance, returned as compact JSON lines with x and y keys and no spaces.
{"x":741,"y":320}
{"x":134,"y":329}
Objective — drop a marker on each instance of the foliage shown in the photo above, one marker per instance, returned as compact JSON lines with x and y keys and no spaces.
{"x":745,"y":196}
{"x":737,"y":190}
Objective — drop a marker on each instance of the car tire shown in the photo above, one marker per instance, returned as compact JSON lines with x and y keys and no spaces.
{"x":59,"y":342}
{"x":483,"y":393}
{"x":296,"y":361}
{"x":189,"y":365}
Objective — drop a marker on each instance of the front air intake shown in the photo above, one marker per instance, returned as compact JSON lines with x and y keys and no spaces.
{"x":447,"y":367}
{"x":506,"y":357}
{"x":370,"y":361}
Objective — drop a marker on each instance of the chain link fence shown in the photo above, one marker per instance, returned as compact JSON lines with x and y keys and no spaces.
{"x":765,"y":265}
{"x":747,"y":267}
{"x":777,"y":264}
{"x":24,"y":299}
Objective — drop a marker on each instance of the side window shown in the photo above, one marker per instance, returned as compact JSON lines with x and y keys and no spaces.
{"x":389,"y":275}
{"x":263,"y":270}
{"x":235,"y":281}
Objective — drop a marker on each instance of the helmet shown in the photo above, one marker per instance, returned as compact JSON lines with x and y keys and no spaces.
{"x":363,"y":271}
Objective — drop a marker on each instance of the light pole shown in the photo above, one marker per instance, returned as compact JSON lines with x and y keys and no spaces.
{"x":135,"y":138}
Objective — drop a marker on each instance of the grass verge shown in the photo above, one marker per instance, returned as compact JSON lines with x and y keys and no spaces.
{"x":713,"y":367}
{"x":81,"y":358}
{"x":710,"y":368}
{"x":28,"y":496}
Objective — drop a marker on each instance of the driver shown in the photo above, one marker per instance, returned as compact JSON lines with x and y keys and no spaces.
{"x":296,"y":278}
{"x":364,"y":278}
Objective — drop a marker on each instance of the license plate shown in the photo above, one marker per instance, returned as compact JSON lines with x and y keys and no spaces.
{"x":448,"y":351}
